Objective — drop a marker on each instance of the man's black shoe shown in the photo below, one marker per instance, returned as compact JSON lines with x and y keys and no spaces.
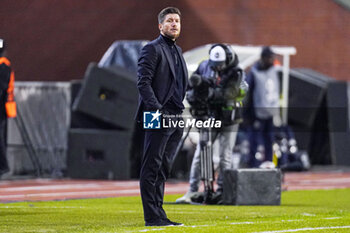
{"x":159,"y":223}
{"x":174,"y":223}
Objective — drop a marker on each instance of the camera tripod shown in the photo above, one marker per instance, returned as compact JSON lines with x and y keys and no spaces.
{"x":207,"y":164}
{"x":206,"y":161}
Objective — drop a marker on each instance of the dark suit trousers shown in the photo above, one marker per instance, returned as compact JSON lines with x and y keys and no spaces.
{"x":159,"y":150}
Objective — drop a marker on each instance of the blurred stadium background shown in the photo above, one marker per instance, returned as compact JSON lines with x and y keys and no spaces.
{"x":52,"y":43}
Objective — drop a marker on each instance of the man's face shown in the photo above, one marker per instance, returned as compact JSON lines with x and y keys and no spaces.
{"x":171,"y":26}
{"x":220,"y":66}
{"x":267,"y":61}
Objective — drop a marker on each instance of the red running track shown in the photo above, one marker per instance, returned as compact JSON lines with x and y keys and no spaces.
{"x":48,"y":189}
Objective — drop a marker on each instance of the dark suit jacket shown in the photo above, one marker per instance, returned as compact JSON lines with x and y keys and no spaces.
{"x":156,"y":76}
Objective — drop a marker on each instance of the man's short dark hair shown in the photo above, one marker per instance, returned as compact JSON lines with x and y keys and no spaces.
{"x":168,"y":10}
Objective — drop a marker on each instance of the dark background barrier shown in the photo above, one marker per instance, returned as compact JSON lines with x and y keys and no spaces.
{"x":100,"y":143}
{"x":38,"y":141}
{"x":99,"y":154}
{"x":319,"y":114}
{"x":37,"y":138}
{"x":108,"y":95}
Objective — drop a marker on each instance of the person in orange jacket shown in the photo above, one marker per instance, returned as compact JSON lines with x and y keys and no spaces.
{"x":7,"y":103}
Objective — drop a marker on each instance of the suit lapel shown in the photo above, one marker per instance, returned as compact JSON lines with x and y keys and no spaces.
{"x":184,"y":68}
{"x":168,"y":57}
{"x":171,"y":63}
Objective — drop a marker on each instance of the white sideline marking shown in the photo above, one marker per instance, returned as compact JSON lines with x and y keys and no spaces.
{"x":47,"y":230}
{"x":156,"y":229}
{"x":184,"y":212}
{"x":194,"y":226}
{"x":241,"y":223}
{"x":305,"y":229}
{"x":285,"y":220}
{"x":307,"y":214}
{"x":159,"y":229}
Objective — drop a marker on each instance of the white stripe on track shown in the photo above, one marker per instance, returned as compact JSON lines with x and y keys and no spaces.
{"x":305,"y":229}
{"x":82,"y":194}
{"x":51,"y":187}
{"x":70,"y":186}
{"x":327,"y":180}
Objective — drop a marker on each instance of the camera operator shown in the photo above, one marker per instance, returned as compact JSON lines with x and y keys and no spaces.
{"x":216,"y":90}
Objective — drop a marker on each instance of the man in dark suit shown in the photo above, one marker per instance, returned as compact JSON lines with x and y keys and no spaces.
{"x":162,"y":82}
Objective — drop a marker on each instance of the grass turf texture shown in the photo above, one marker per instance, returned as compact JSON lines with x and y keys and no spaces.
{"x":299,"y":209}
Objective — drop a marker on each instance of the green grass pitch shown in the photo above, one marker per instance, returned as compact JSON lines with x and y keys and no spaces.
{"x":300,"y":211}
